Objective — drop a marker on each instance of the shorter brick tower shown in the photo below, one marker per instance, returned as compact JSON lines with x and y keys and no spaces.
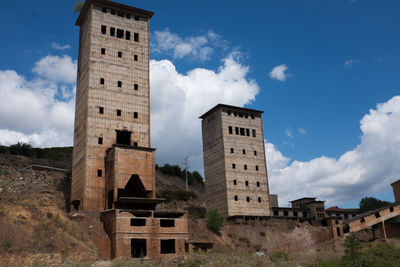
{"x":234,"y":161}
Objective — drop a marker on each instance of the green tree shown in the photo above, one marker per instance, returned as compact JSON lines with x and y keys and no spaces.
{"x":215,"y":221}
{"x":371,"y":203}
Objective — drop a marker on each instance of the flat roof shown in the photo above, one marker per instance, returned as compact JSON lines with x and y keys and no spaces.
{"x":240,"y":109}
{"x":112,"y":5}
{"x":304,"y":198}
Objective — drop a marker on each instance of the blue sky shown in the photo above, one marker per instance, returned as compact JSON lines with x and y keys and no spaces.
{"x":334,"y":61}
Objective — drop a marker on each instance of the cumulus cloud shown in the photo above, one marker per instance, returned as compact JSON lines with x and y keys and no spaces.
{"x":199,"y":47}
{"x":39,"y":111}
{"x":367,"y":169}
{"x":58,"y":46}
{"x":177,"y":100}
{"x":278,"y":73}
{"x":56,"y":69}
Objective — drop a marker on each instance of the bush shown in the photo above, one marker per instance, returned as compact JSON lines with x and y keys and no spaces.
{"x":175,"y":170}
{"x":215,"y":221}
{"x":29,"y":151}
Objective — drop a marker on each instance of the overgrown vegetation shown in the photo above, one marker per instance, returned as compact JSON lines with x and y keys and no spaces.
{"x":215,"y":221}
{"x":379,"y":255}
{"x":175,"y":170}
{"x":176,"y":194}
{"x":279,"y":256}
{"x":25,"y":149}
{"x":371,"y":203}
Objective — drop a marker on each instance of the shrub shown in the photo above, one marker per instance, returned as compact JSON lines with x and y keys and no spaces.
{"x":279,"y":256}
{"x":176,"y":194}
{"x":7,"y":244}
{"x":215,"y":221}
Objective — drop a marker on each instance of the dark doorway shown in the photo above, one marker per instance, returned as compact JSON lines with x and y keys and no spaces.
{"x":167,"y":223}
{"x":110,"y":199}
{"x":133,"y":188}
{"x":123,"y":137}
{"x":338,"y":231}
{"x":138,"y":248}
{"x":168,"y":246}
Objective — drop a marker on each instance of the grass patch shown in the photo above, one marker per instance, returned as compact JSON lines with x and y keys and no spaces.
{"x":279,"y":256}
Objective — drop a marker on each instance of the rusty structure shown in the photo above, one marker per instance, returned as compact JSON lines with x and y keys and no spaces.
{"x":113,"y":169}
{"x":234,"y":161}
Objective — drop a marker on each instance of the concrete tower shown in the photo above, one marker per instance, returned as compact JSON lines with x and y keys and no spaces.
{"x":112,"y":96}
{"x":234,"y":161}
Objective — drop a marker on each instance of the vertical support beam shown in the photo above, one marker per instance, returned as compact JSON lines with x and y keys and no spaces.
{"x":384,"y":230}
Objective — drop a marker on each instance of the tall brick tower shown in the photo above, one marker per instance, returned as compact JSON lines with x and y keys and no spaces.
{"x":112,"y":96}
{"x":234,"y":161}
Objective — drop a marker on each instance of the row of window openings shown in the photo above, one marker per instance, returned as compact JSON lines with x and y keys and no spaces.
{"x":286,"y":213}
{"x":119,"y":84}
{"x":103,"y":52}
{"x":120,"y":33}
{"x":242,"y":131}
{"x":243,"y":151}
{"x":119,"y":112}
{"x":246,"y":183}
{"x":119,"y":13}
{"x":163,"y":222}
{"x":241,"y":115}
{"x":244,"y":167}
{"x":100,"y":142}
{"x":247,"y":199}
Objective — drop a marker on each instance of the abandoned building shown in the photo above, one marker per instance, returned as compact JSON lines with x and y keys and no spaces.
{"x":345,"y":214}
{"x":234,"y":161}
{"x":315,"y":207}
{"x":113,"y":169}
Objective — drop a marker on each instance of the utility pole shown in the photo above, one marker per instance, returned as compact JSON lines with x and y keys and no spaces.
{"x":186,"y":170}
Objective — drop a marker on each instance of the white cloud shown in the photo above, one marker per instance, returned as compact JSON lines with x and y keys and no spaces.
{"x":56,"y":69}
{"x":58,"y":46}
{"x":367,"y":169}
{"x":351,"y":62}
{"x":278,"y":73}
{"x":199,"y":47}
{"x":177,"y":100}
{"x":302,"y":131}
{"x":39,"y":111}
{"x":288,"y":133}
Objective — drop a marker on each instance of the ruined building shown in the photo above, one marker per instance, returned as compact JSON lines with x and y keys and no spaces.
{"x":113,"y":163}
{"x":234,"y":161}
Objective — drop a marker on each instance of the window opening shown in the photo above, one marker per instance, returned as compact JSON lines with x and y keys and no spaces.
{"x":103,"y":29}
{"x":136,"y":18}
{"x":247,"y":132}
{"x":127,"y":35}
{"x":135,"y":143}
{"x":135,"y":115}
{"x":258,"y":184}
{"x":245,"y":167}
{"x":167,"y":246}
{"x":101,"y":110}
{"x":103,"y":51}
{"x":234,"y":182}
{"x":99,"y":173}
{"x":256,"y":167}
{"x":285,"y":213}
{"x":254,"y":133}
{"x":100,"y":141}
{"x":135,"y":58}
{"x":120,"y":14}
{"x":237,"y":130}
{"x":167,"y":223}
{"x":230,"y":129}
{"x":120,"y":33}
{"x":295,"y":213}
{"x":247,"y":183}
{"x":136,"y":86}
{"x":119,"y":84}
{"x":119,"y":54}
{"x":138,"y":222}
{"x":236,"y":198}
{"x":101,"y":80}
{"x":112,"y":11}
{"x":242,"y":131}
{"x":244,"y":151}
{"x":136,"y":37}
{"x":248,"y":199}
{"x":255,"y":153}
{"x":118,"y":112}
{"x":128,"y":16}
{"x":276,"y":213}
{"x":123,"y":137}
{"x":104,"y":10}
{"x":259,"y":199}
{"x":232,"y":150}
{"x":233,"y":166}
{"x":112,"y":31}
{"x":138,"y":248}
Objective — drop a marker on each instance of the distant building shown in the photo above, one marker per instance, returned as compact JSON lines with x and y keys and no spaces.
{"x":316,"y":207}
{"x":234,"y":161}
{"x":345,"y":214}
{"x":273,"y":198}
